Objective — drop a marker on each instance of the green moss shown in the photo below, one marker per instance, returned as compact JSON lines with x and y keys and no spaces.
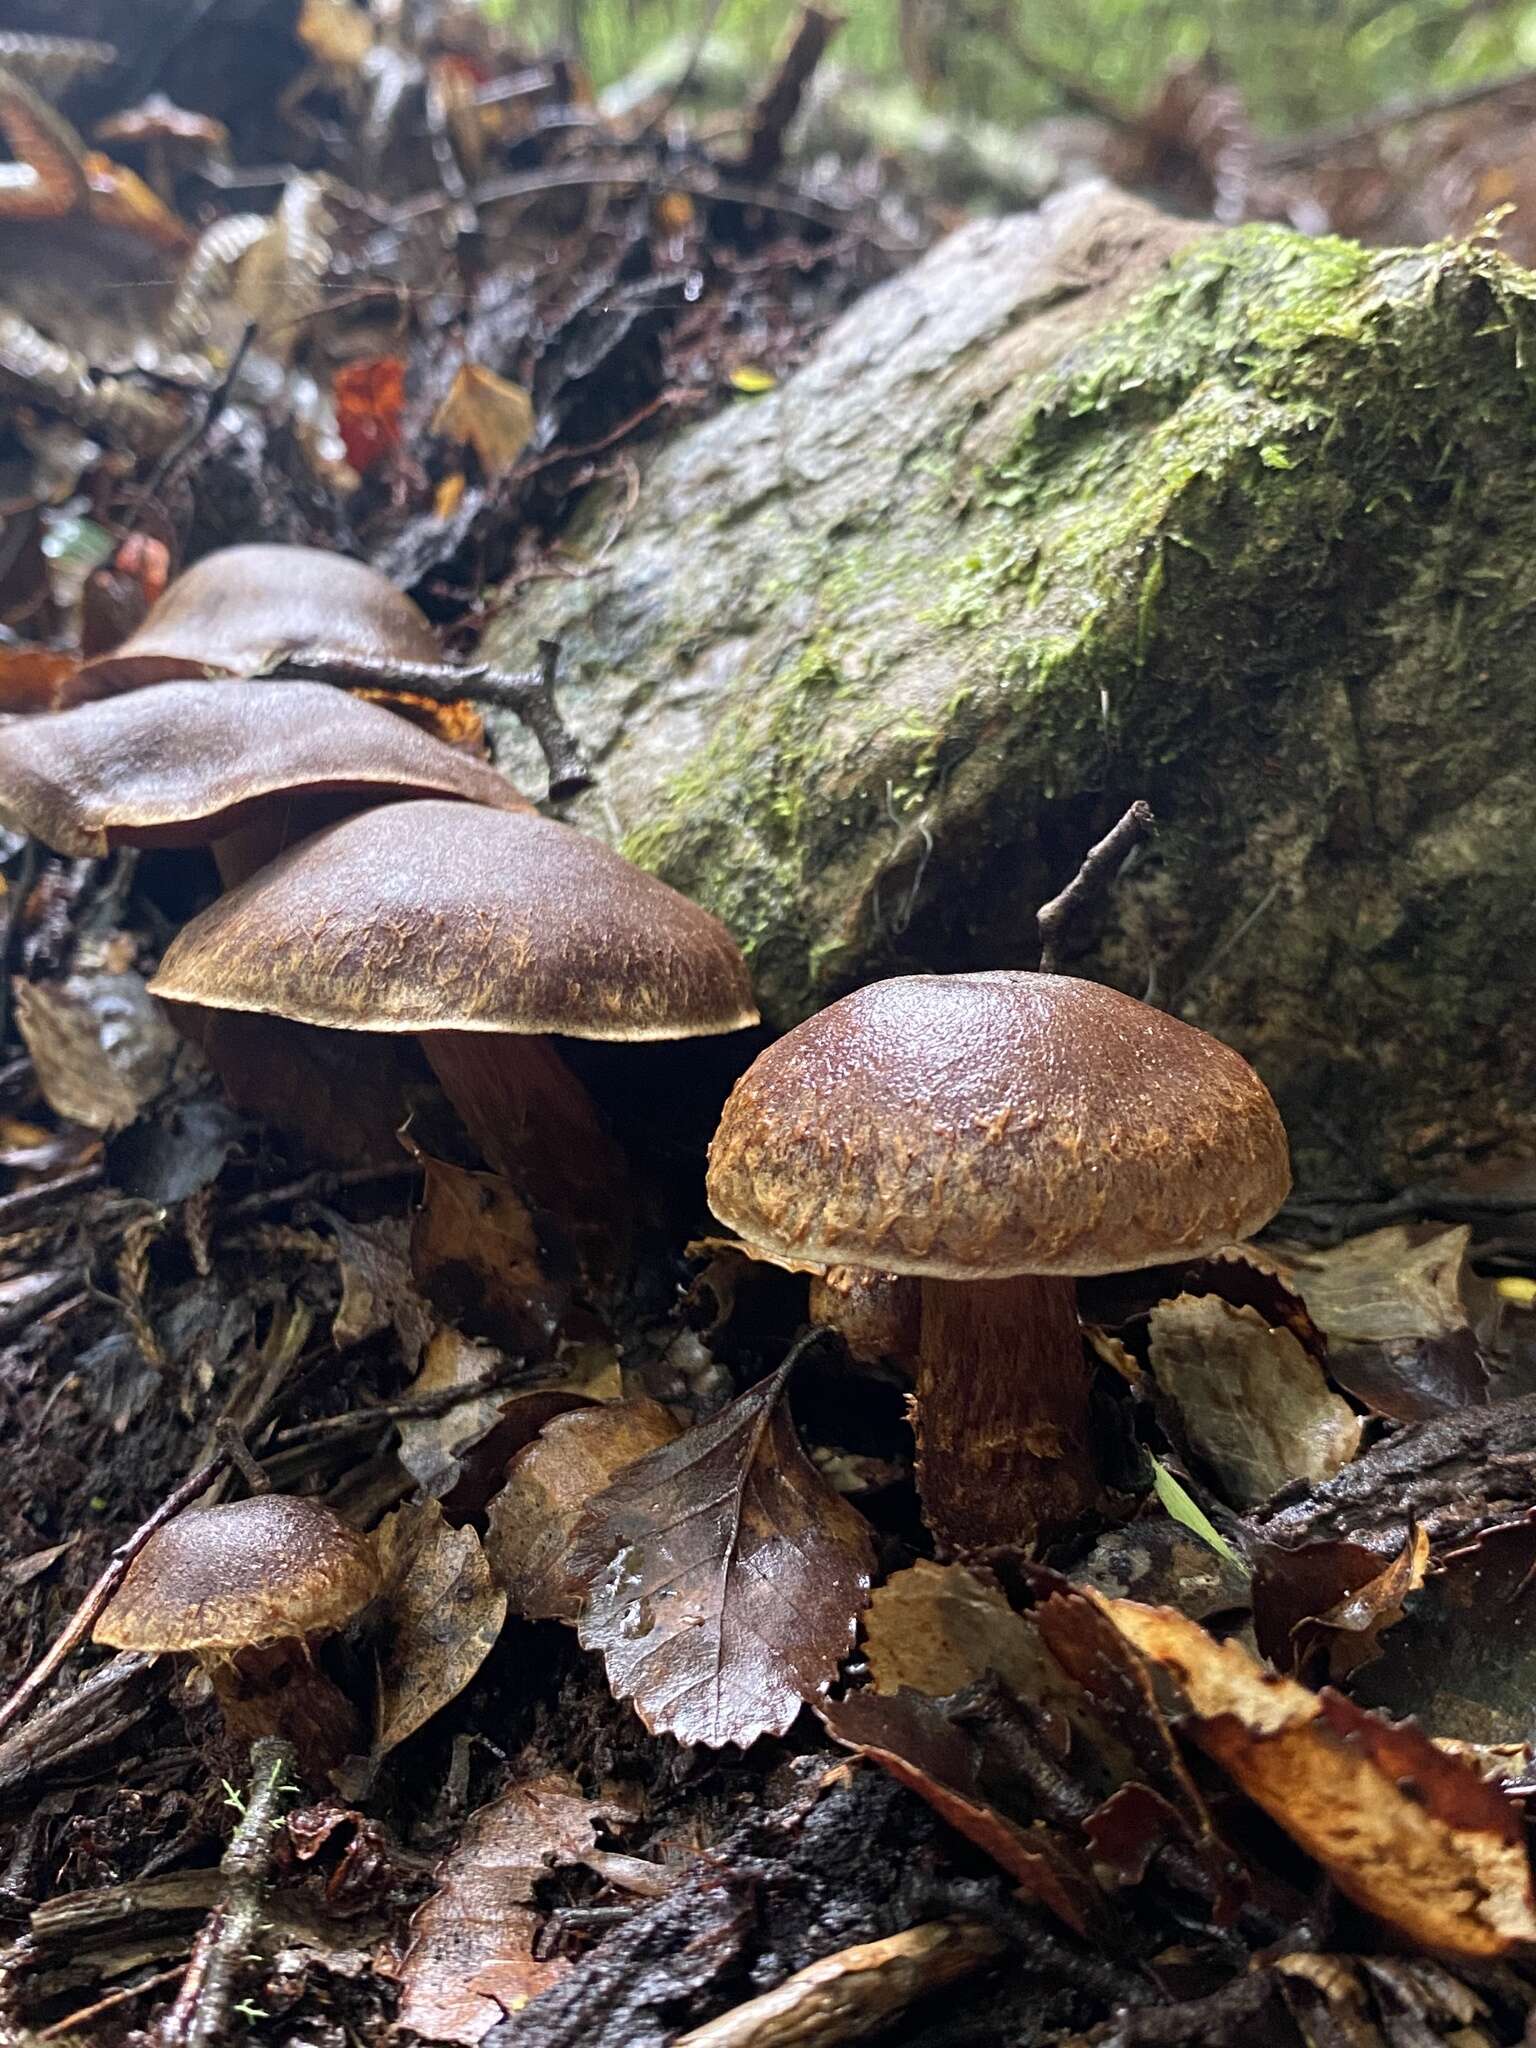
{"x":1238,"y":478}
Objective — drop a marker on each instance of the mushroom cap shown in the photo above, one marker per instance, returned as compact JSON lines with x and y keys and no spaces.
{"x":446,"y":917}
{"x":181,"y":764}
{"x":241,"y":611}
{"x":158,"y":118}
{"x":247,"y":1572}
{"x":974,"y":1126}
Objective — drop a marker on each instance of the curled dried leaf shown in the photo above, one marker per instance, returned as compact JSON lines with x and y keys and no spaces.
{"x":1416,"y":1837}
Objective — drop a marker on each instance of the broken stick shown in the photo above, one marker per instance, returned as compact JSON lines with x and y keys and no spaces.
{"x":1091,"y":882}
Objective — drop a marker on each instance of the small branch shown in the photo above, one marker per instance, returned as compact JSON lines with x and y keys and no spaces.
{"x":85,"y":1615}
{"x":851,"y":1993}
{"x":776,"y":106}
{"x":199,"y":2015}
{"x":528,"y":697}
{"x":1091,"y":882}
{"x":74,"y":2021}
{"x":237,"y":1453}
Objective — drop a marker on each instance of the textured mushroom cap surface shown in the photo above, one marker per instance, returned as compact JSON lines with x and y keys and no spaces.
{"x":968,"y":1126}
{"x":179,"y":764}
{"x":447,"y":917}
{"x":240,"y":611}
{"x":247,"y":1572}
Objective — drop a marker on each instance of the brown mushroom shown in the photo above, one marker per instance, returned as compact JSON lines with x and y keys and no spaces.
{"x":243,"y":611}
{"x":995,"y":1136}
{"x":249,"y":1588}
{"x":168,"y":136}
{"x":246,"y":771}
{"x":257,"y":609}
{"x":482,"y":932}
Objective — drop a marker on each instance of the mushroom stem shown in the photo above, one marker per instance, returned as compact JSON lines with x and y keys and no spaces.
{"x":278,"y":1689}
{"x":1004,"y":1448}
{"x":534,"y":1122}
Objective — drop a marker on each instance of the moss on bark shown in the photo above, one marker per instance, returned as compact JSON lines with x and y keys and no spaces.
{"x":1095,"y":506}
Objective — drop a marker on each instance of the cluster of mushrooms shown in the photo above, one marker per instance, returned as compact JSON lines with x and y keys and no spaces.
{"x":947,"y":1152}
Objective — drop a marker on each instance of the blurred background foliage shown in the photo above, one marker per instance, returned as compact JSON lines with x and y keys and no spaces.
{"x":1297,"y":63}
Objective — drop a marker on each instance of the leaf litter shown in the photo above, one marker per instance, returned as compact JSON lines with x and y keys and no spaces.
{"x":1151,"y":1822}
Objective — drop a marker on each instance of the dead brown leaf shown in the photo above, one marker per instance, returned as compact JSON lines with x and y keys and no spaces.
{"x":377,"y":1289}
{"x":1249,"y":1401}
{"x":934,"y":1628}
{"x":35,"y":678}
{"x":1414,"y":1836}
{"x":1406,"y":1319}
{"x":470,"y":1955}
{"x":1320,"y":1609}
{"x":441,"y":1616}
{"x":724,"y":1576}
{"x":549,"y":1485}
{"x":100,"y":1044}
{"x":484,"y":412}
{"x":475,"y":1255}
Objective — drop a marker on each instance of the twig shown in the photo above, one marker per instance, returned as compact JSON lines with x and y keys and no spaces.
{"x":227,"y":1436}
{"x":1091,"y":882}
{"x":81,"y":1622}
{"x":72,"y":2021}
{"x":528,"y":697}
{"x":199,"y":2014}
{"x":684,"y":79}
{"x":441,"y":1402}
{"x":776,"y":106}
{"x":1317,"y":143}
{"x":850,"y":1994}
{"x":174,"y":457}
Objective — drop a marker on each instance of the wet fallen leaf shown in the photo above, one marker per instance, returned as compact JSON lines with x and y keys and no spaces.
{"x":1407,"y":1321}
{"x":1249,"y":1401}
{"x":100,"y":1045}
{"x":440,"y":1617}
{"x":370,"y":397}
{"x":1414,"y":1836}
{"x":1320,"y":1609}
{"x":725,"y":1577}
{"x":470,"y":1954}
{"x":1463,"y":1659}
{"x":548,"y":1487}
{"x":917,"y":1740}
{"x":484,"y":412}
{"x":475,"y":1254}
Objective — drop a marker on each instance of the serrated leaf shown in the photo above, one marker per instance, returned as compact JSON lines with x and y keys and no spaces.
{"x":724,"y":1576}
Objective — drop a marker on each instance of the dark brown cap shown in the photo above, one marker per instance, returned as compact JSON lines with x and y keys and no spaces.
{"x":182,"y":764}
{"x":972,"y":1126}
{"x":254,"y":1571}
{"x":447,"y":917}
{"x":240,"y":611}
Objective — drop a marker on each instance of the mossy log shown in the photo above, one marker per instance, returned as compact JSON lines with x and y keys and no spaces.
{"x":1092,"y":505}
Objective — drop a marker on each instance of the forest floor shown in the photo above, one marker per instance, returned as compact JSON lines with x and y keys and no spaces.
{"x":1244,"y":1758}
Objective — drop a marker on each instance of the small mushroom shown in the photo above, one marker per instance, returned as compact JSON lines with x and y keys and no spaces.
{"x":242,"y":611}
{"x":995,"y":1136}
{"x":482,"y":932}
{"x":249,"y":1588}
{"x":169,"y":137}
{"x":246,"y":771}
